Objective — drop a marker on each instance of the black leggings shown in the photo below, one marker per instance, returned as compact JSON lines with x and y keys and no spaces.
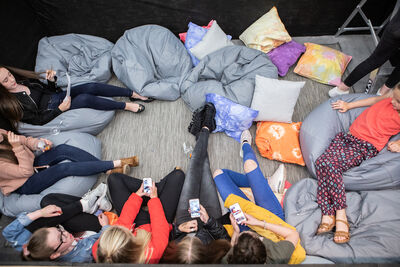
{"x":387,"y":49}
{"x":199,"y":183}
{"x":169,"y":189}
{"x":73,"y":218}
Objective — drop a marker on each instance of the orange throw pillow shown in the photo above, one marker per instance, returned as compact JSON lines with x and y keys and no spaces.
{"x":279,"y":141}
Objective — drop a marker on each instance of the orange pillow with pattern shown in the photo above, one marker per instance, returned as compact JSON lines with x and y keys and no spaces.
{"x":279,"y":141}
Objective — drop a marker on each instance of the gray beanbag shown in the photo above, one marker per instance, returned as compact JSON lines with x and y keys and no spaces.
{"x":14,"y":204}
{"x":321,"y":126}
{"x":86,"y":58}
{"x":374,"y":218}
{"x":83,"y":120}
{"x":151,"y":61}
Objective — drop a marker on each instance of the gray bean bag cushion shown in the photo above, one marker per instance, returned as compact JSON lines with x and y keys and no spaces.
{"x":14,"y":204}
{"x":83,"y":120}
{"x":321,"y":126}
{"x":374,"y":218}
{"x":86,"y":58}
{"x":151,"y":61}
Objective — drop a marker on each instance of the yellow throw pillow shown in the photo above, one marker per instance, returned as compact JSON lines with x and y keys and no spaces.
{"x":279,"y":141}
{"x":266,"y":33}
{"x":322,"y":64}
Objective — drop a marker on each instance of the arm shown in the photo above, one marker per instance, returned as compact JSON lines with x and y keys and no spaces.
{"x":130,"y":210}
{"x":343,"y":106}
{"x":40,"y":117}
{"x":216,"y":229}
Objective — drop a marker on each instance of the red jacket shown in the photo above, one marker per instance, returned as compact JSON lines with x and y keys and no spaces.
{"x":158,"y":227}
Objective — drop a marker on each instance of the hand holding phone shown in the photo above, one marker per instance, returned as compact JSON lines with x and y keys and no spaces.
{"x":194,"y":207}
{"x":237,"y":213}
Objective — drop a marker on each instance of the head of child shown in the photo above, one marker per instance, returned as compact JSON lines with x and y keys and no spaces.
{"x":396,"y":98}
{"x":249,"y":249}
{"x":118,"y":245}
{"x":48,"y":244}
{"x":10,"y":108}
{"x":190,"y":250}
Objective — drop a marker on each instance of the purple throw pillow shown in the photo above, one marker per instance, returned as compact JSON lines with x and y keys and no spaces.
{"x":284,"y":56}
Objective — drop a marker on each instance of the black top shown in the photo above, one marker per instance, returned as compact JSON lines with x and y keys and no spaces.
{"x":35,"y":105}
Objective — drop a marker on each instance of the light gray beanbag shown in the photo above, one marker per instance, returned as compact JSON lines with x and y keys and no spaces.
{"x":151,"y":61}
{"x":14,"y":204}
{"x":86,"y":58}
{"x":83,"y":120}
{"x":321,"y":126}
{"x":374,"y":218}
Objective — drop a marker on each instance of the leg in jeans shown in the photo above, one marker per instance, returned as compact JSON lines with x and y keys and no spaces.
{"x":63,"y":152}
{"x":193,"y":181}
{"x":47,"y":177}
{"x":169,"y":188}
{"x":208,"y":192}
{"x":72,"y":218}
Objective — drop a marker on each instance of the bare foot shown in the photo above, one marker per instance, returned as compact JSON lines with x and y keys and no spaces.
{"x":343,"y":87}
{"x":384,"y":90}
{"x":341,"y":226}
{"x":327,"y":223}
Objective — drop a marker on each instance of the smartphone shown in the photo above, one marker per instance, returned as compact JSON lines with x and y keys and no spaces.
{"x":194,"y":207}
{"x":147,"y":184}
{"x":43,"y":146}
{"x":237,"y":213}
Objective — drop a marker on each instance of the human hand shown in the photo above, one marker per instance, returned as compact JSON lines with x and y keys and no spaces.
{"x":140,"y":191}
{"x":250,"y":220}
{"x":340,"y":105}
{"x":234,"y":224}
{"x":203,"y":214}
{"x":50,"y":75}
{"x":103,"y":219}
{"x":48,"y":144}
{"x":13,"y":139}
{"x":394,"y":146}
{"x":65,"y":105}
{"x":50,"y":211}
{"x":153,"y":191}
{"x":188,"y":227}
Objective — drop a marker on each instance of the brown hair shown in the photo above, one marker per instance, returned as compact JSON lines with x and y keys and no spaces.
{"x":21,"y":74}
{"x":192,"y":251}
{"x":6,"y":151}
{"x":10,"y":108}
{"x":248,"y":250}
{"x":118,"y":245}
{"x":37,"y":246}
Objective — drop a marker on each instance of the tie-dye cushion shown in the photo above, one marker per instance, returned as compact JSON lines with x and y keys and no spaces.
{"x":231,"y":117}
{"x":279,"y":141}
{"x":266,"y":33}
{"x":322,"y":64}
{"x":284,"y":56}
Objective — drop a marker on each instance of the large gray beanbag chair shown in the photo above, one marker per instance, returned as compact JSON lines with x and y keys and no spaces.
{"x":86,"y":58}
{"x":83,"y":120}
{"x":374,"y":218}
{"x":229,"y":72}
{"x":150,"y":60}
{"x":321,"y":126}
{"x":14,"y":204}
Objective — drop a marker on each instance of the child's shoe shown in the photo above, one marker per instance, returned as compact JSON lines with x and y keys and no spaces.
{"x":209,"y":116}
{"x":125,"y":169}
{"x":197,"y":121}
{"x":245,"y":137}
{"x":131,"y":161}
{"x":277,"y":180}
{"x":335,"y":91}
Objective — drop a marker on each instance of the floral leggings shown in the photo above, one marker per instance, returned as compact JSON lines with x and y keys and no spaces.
{"x":345,"y":152}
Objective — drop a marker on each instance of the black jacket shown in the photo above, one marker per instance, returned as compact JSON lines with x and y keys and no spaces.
{"x":212,"y":230}
{"x":32,"y":112}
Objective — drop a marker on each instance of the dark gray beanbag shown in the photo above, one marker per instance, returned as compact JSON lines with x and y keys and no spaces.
{"x":321,"y":126}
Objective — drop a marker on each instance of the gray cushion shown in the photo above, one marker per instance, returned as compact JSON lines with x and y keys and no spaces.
{"x":321,"y":126}
{"x":14,"y":204}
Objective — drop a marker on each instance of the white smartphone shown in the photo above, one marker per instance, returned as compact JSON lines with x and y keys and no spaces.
{"x":194,"y":207}
{"x":147,"y":184}
{"x":237,"y":213}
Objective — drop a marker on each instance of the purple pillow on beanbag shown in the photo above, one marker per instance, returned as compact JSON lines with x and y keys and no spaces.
{"x":194,"y":35}
{"x":284,"y":56}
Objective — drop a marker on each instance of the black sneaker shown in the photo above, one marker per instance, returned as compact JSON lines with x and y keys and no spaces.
{"x":197,"y":121}
{"x":209,"y":117}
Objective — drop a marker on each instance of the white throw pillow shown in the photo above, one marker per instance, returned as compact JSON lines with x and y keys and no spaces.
{"x":214,"y":39}
{"x":275,"y":99}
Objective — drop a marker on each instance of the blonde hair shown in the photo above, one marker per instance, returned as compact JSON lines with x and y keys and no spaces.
{"x":118,"y":245}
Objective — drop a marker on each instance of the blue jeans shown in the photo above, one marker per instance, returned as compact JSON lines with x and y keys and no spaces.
{"x":82,"y":164}
{"x":88,"y":96}
{"x":229,"y":182}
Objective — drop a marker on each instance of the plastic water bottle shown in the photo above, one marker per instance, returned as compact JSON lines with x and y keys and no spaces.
{"x":187,"y":149}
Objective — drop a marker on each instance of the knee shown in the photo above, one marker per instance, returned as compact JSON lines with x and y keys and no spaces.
{"x":178,"y":176}
{"x":217,"y":172}
{"x":47,"y":200}
{"x":83,"y":98}
{"x":250,"y":165}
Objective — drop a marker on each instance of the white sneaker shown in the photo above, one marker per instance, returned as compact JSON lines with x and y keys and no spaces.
{"x":277,"y":180}
{"x":335,"y":91}
{"x":90,"y":201}
{"x":246,"y":136}
{"x":378,"y":93}
{"x":105,"y":204}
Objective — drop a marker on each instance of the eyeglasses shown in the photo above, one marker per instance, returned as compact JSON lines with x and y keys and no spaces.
{"x":61,"y":229}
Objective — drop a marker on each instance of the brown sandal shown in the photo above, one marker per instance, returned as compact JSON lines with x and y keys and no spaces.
{"x":324,"y":228}
{"x":345,"y":234}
